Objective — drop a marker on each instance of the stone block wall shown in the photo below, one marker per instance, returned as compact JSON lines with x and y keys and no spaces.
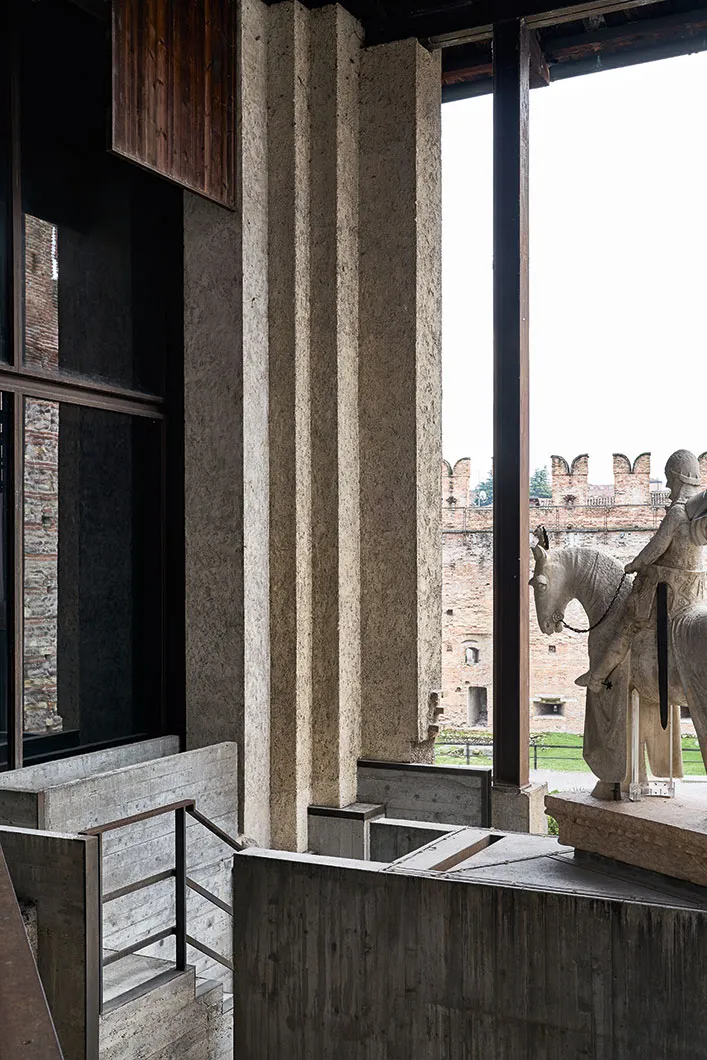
{"x":619,"y":519}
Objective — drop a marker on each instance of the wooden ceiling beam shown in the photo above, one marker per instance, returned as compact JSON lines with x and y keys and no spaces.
{"x":473,"y":20}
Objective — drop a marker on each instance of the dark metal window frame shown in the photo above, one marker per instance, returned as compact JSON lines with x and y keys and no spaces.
{"x":17,"y":382}
{"x":515,"y":51}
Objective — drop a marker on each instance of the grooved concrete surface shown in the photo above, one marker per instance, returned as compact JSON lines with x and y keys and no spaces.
{"x":528,"y":956}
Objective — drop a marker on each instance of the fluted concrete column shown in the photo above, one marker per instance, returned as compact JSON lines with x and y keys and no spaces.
{"x":400,"y":397}
{"x":290,"y":424}
{"x":226,"y":451}
{"x":336,"y":692}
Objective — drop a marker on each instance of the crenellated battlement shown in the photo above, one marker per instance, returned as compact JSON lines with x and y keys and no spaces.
{"x":570,"y":484}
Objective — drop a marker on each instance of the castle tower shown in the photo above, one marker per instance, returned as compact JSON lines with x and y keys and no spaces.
{"x":632,"y":483}
{"x":570,"y":482}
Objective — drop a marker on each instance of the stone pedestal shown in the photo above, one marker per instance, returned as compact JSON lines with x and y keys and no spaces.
{"x":664,"y":835}
{"x":519,"y":809}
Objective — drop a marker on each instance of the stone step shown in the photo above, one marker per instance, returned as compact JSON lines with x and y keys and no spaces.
{"x":130,"y":973}
{"x":210,"y":992}
{"x":209,"y":1038}
{"x":151,"y":1020}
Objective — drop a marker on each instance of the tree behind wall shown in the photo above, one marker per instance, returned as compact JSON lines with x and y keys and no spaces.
{"x":484,"y":491}
{"x":540,"y":483}
{"x":539,"y":487}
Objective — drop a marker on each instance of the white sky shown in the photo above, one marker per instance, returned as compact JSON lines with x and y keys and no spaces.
{"x":618,"y":268}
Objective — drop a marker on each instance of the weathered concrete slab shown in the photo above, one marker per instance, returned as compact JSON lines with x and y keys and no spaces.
{"x":456,"y":795}
{"x":22,"y":802}
{"x":446,"y":852}
{"x":342,"y":832}
{"x":664,"y":835}
{"x":437,"y":968}
{"x":392,"y":839}
{"x":509,"y":848}
{"x":79,"y":767}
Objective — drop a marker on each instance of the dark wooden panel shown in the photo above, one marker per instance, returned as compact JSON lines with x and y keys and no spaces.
{"x":174,"y":83}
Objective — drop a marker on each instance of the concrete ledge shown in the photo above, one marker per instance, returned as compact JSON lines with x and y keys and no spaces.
{"x":342,"y":831}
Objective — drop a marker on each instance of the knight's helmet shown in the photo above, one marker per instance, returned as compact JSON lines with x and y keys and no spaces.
{"x":684,"y":466}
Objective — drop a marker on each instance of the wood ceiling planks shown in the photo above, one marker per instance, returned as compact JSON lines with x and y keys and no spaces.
{"x":173,"y":98}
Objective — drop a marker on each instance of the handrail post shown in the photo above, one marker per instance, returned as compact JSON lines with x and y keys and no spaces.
{"x":100,"y":924}
{"x":180,"y":886}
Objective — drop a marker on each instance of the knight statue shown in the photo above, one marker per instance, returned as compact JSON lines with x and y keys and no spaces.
{"x":675,"y":555}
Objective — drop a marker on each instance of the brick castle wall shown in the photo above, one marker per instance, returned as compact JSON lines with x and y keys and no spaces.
{"x":619,"y":519}
{"x":41,"y":484}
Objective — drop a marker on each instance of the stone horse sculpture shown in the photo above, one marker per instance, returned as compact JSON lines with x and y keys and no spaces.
{"x":597,"y":581}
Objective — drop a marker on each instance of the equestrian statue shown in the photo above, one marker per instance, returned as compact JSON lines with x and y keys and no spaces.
{"x":626,"y":660}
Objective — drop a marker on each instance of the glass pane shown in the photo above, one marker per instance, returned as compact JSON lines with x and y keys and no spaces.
{"x":5,"y":578}
{"x":102,"y":262}
{"x":467,"y":405}
{"x":92,"y":657}
{"x":5,"y":206}
{"x":616,"y":316}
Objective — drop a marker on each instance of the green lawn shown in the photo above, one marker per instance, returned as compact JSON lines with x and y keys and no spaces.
{"x":556,"y":750}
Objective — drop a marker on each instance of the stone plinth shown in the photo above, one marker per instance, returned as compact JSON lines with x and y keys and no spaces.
{"x":664,"y":835}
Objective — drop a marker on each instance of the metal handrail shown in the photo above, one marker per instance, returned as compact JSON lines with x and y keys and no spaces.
{"x":181,"y":883}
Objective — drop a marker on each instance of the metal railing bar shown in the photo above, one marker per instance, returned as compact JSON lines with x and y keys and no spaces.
{"x":185,"y":804}
{"x":194,"y":886}
{"x":130,"y":888}
{"x":237,"y":844}
{"x":208,"y":952}
{"x":180,"y":892}
{"x":141,"y":945}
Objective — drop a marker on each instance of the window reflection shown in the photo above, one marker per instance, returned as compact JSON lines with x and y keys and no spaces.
{"x":41,"y":293}
{"x":92,"y":656}
{"x":41,"y":546}
{"x":102,"y":237}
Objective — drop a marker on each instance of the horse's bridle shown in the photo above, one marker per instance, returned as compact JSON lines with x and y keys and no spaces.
{"x":559,"y":618}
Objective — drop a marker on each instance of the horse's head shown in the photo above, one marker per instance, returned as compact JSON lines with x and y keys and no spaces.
{"x":551,"y":590}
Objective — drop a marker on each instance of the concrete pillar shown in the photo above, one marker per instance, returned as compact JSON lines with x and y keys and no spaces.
{"x":290,"y":424}
{"x":336,"y":691}
{"x":226,"y":451}
{"x":400,"y":397}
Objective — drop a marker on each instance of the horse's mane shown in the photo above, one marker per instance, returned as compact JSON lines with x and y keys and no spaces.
{"x":584,"y":558}
{"x":594,"y":574}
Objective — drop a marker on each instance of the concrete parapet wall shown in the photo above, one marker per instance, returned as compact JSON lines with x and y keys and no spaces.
{"x":432,"y":967}
{"x":58,"y":874}
{"x":85,"y":800}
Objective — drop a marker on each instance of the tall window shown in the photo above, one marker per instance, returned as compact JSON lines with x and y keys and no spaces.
{"x":90,"y":353}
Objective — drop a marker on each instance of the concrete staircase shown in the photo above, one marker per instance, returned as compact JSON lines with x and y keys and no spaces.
{"x":153,"y":1012}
